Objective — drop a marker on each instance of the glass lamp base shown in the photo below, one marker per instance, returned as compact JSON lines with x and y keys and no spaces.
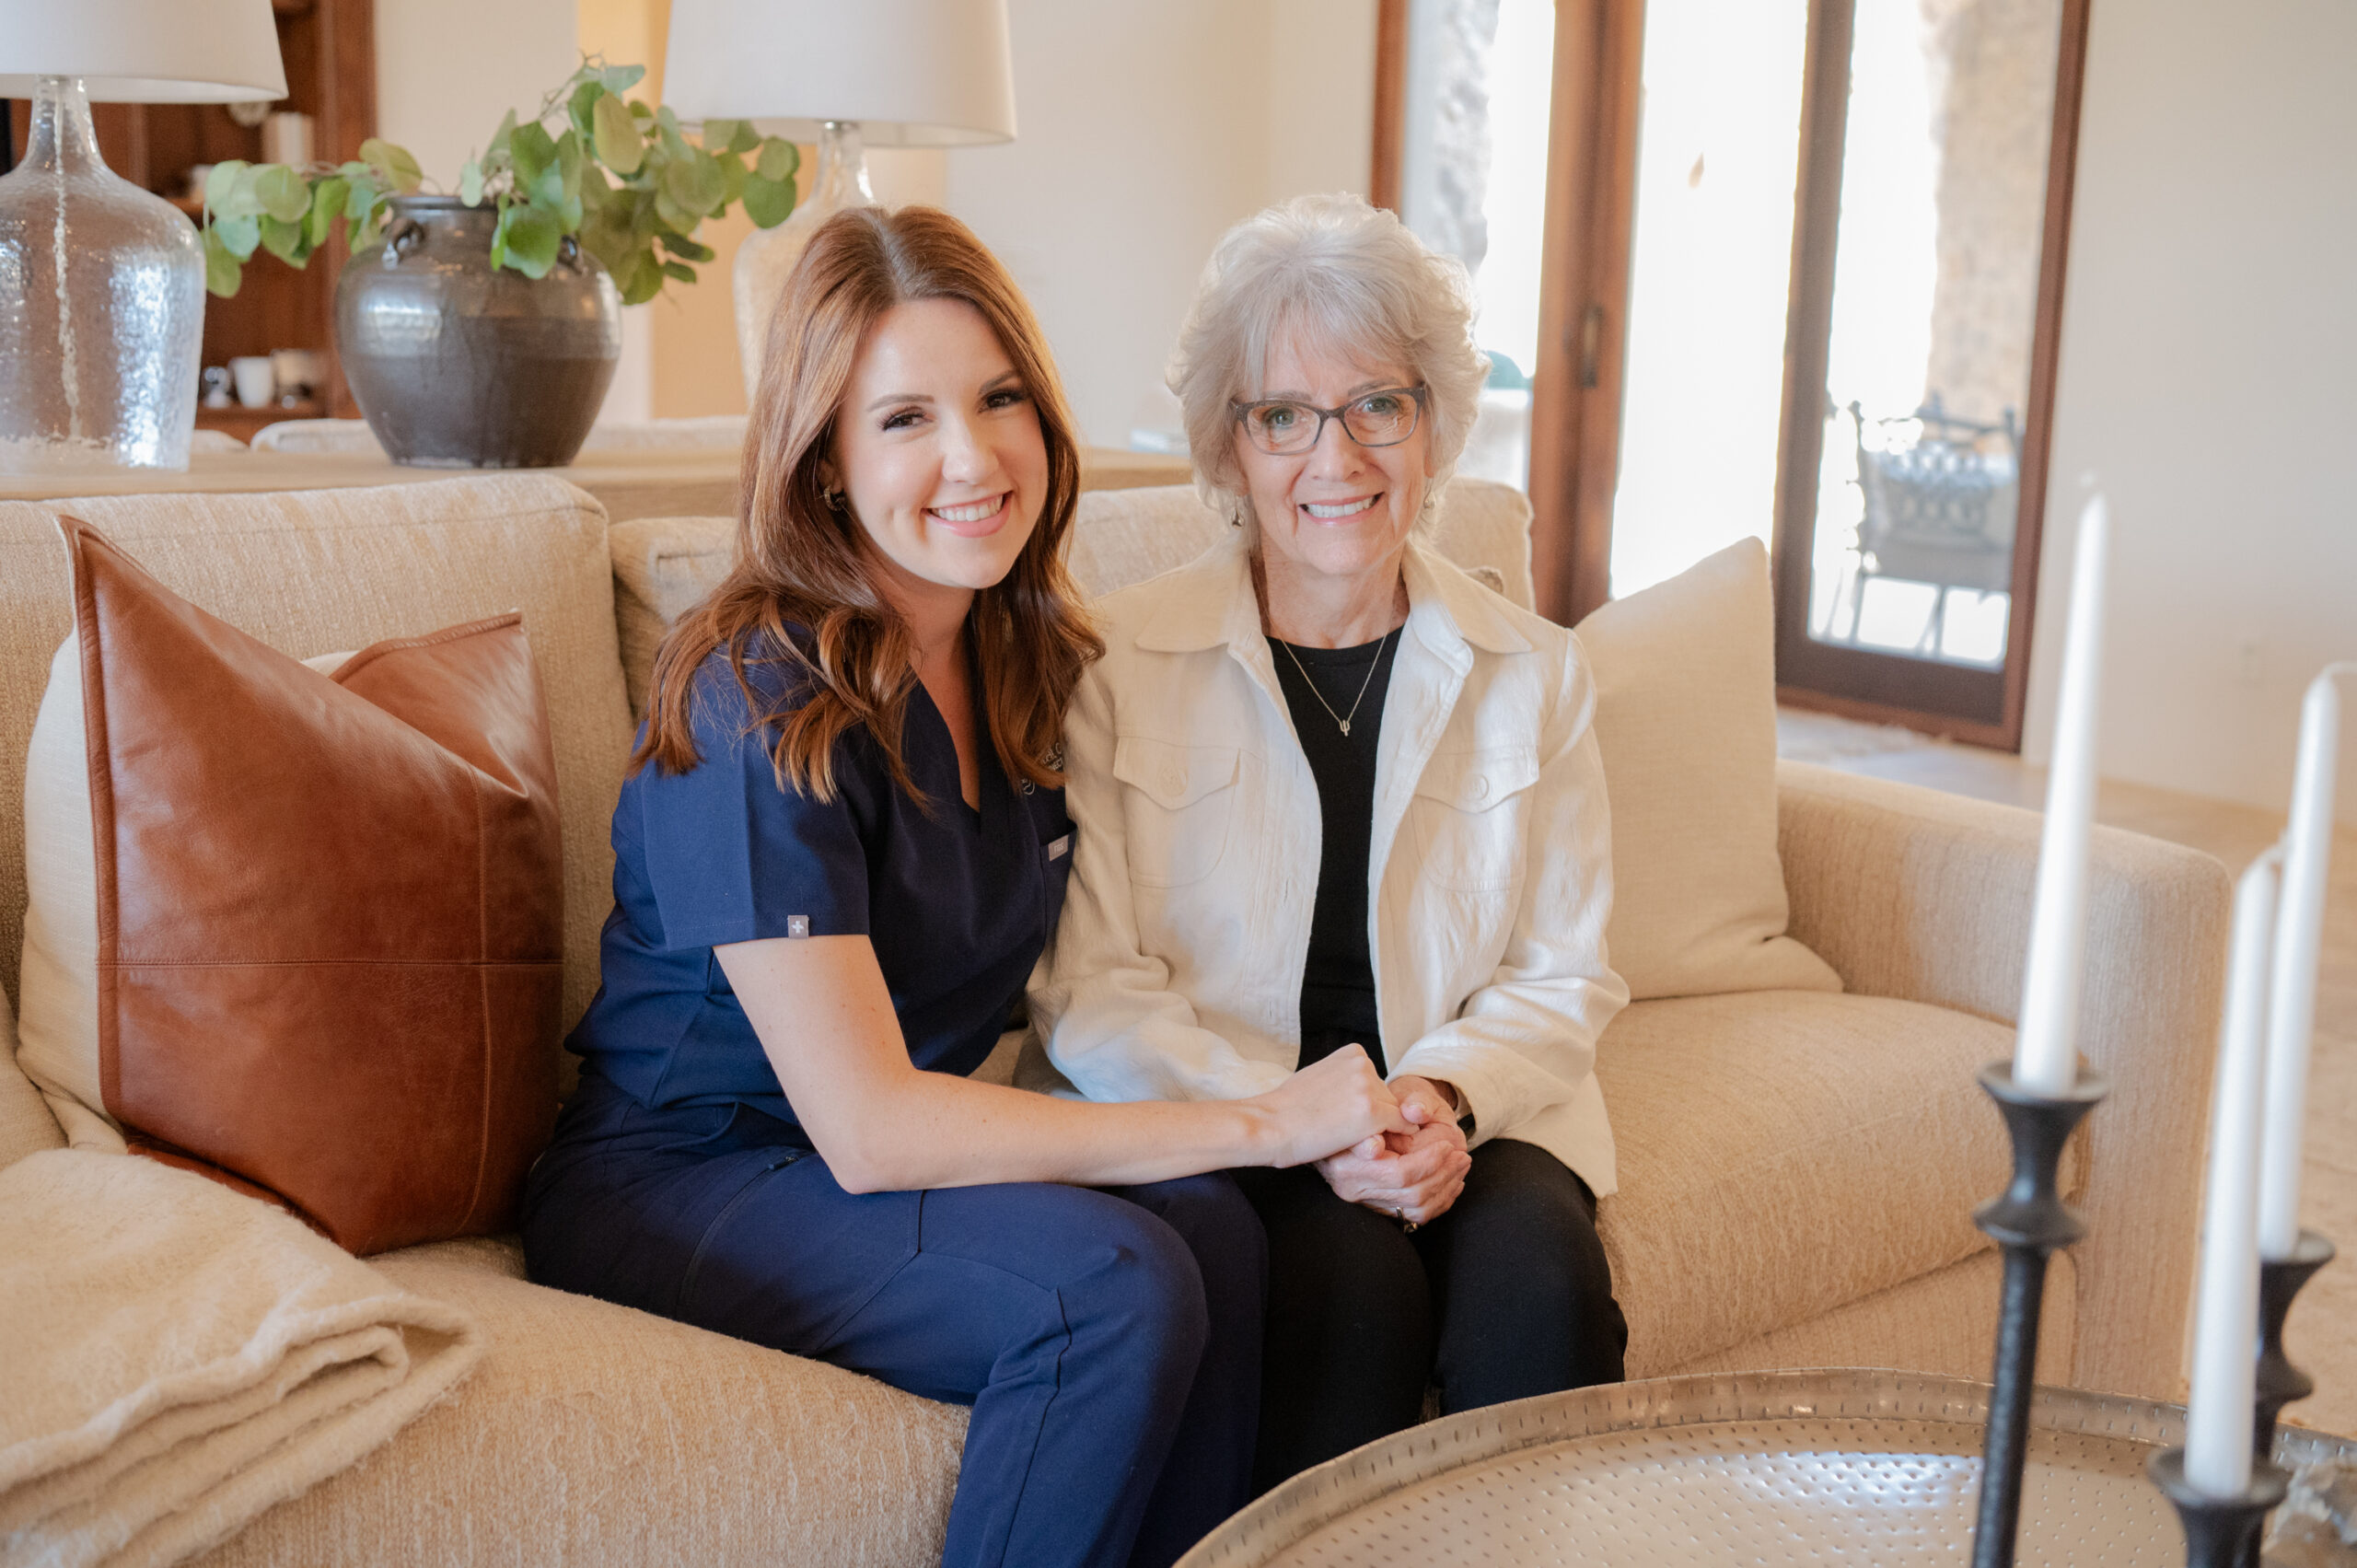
{"x":104,"y":289}
{"x":766,"y":258}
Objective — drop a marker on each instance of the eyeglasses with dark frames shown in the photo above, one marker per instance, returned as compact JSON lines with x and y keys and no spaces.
{"x":1284,"y":428}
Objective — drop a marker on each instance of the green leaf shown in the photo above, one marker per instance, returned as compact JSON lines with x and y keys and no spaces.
{"x":620,"y":79}
{"x":732,"y":178}
{"x":780,"y":159}
{"x":640,"y":111}
{"x":281,"y":192}
{"x":570,"y":161}
{"x":687,"y":250}
{"x":366,"y":193}
{"x":533,"y":239}
{"x":603,"y":238}
{"x":221,"y":185}
{"x":284,"y":239}
{"x":612,"y":243}
{"x":620,"y":146}
{"x":546,"y":189}
{"x":328,"y":198}
{"x":681,"y":271}
{"x":716,"y":134}
{"x":646,"y":280}
{"x":767,"y":202}
{"x":745,"y":140}
{"x":223,"y":270}
{"x":370,"y":226}
{"x":500,"y":139}
{"x":470,"y":184}
{"x":670,"y":215}
{"x":398,"y":168}
{"x":581,"y":107}
{"x":694,"y":185}
{"x":239,"y":235}
{"x":534,"y":151}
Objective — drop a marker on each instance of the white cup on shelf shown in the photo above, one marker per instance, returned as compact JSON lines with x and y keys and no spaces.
{"x":286,"y":138}
{"x":256,"y":382}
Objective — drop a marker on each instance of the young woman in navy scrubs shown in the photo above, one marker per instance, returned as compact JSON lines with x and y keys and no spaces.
{"x":840,"y":851}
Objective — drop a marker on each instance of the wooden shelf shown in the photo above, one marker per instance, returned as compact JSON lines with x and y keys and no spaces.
{"x":242,"y":421}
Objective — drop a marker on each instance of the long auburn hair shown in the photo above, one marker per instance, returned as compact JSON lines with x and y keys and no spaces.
{"x":801,"y":559}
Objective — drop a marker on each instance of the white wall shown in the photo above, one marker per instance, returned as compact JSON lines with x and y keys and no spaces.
{"x":447,"y":69}
{"x":1143,"y":131}
{"x":2209,"y":376}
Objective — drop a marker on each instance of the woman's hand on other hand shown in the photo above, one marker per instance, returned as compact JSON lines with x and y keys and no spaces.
{"x":1337,"y":1102}
{"x":1413,"y":1176}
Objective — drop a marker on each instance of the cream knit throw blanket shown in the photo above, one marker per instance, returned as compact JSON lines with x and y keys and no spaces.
{"x":175,"y":1358}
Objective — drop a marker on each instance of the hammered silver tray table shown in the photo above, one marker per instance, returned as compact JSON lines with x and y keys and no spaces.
{"x":1761,"y":1469}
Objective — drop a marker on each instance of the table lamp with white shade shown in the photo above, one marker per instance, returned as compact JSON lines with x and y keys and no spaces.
{"x":880,"y":73}
{"x":102,"y":283}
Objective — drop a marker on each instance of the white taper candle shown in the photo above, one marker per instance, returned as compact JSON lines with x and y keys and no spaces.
{"x":2299,"y":933}
{"x":2046,"y":1057}
{"x":2219,"y":1418}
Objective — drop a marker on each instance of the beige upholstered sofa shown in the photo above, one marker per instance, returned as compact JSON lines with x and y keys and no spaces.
{"x":1797,"y":1168}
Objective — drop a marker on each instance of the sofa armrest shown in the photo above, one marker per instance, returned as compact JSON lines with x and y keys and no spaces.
{"x":1912,"y":893}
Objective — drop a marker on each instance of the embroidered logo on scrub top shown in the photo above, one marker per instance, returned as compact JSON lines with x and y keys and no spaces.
{"x":1060,"y":848}
{"x":797,"y":925}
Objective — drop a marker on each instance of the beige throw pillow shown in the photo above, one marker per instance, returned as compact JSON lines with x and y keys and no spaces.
{"x":1686,"y":719}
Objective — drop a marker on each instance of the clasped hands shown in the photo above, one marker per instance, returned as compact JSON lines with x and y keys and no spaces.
{"x":1412,"y":1176}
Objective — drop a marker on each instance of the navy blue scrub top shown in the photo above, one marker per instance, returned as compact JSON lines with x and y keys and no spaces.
{"x":958,"y":903}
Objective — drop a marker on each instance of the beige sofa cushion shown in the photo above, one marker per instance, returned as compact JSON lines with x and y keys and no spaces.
{"x":1783,"y":1153}
{"x":27,"y":1127}
{"x":308,"y":572}
{"x":662,"y":565}
{"x":593,"y":1434}
{"x":1686,"y":719}
{"x":1944,"y":1322}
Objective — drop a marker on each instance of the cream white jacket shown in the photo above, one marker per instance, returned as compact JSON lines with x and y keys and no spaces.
{"x":1176,"y":971}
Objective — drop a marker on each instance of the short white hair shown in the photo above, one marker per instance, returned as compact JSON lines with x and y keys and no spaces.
{"x":1333,"y":274}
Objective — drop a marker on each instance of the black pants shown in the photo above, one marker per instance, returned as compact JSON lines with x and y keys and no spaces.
{"x":1506,"y":1296}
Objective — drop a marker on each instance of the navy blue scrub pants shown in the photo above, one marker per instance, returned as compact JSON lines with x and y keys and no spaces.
{"x":1109,"y":1340}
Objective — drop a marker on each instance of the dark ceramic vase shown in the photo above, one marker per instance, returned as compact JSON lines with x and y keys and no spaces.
{"x":456,"y":364}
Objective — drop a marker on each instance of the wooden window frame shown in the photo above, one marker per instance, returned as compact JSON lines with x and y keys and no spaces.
{"x":1577,"y":383}
{"x":1982,"y":706}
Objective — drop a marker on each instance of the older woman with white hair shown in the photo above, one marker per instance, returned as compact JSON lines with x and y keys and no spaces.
{"x":1334,"y":794}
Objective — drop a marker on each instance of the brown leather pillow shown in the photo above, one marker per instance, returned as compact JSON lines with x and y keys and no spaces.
{"x":329,"y":908}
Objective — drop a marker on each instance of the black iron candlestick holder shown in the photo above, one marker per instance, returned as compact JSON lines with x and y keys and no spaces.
{"x":2220,"y":1532}
{"x":2280,"y":1383}
{"x":2030,"y":1221}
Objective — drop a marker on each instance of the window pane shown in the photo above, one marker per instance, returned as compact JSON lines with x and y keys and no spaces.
{"x":1935,"y":308}
{"x":1718,"y":156}
{"x":1473,"y":183}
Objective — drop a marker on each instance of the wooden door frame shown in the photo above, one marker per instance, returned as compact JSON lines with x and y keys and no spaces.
{"x":1590,"y":229}
{"x":1584,"y":289}
{"x":1982,"y":707}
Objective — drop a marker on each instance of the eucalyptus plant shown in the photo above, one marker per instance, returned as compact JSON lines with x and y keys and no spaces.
{"x":618,"y":176}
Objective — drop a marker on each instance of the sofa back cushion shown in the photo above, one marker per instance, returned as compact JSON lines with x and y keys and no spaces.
{"x":325,"y":912}
{"x":663,"y":565}
{"x":311,"y":571}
